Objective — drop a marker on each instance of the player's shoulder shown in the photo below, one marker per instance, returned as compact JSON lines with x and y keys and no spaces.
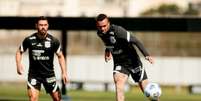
{"x":51,"y":38}
{"x":117,"y":28}
{"x":31,"y":37}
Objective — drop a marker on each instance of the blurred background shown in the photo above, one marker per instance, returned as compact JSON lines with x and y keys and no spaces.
{"x":177,"y":54}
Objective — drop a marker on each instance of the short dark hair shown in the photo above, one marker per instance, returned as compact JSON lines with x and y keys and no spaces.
{"x":41,"y":18}
{"x":101,"y":17}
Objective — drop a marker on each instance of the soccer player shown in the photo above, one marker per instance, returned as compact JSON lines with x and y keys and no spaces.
{"x":119,"y":45}
{"x":41,"y":48}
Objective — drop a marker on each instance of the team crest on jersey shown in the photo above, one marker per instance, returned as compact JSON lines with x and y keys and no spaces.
{"x":111,"y":33}
{"x":112,"y":39}
{"x":47,"y":44}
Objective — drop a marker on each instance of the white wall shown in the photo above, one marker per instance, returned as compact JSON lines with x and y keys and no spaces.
{"x":166,"y":70}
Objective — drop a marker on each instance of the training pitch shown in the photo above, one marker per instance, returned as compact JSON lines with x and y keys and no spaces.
{"x":17,"y":92}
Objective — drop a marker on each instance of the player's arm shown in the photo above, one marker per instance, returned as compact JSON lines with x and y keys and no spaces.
{"x":108,"y":55}
{"x":150,"y":59}
{"x":126,"y":35}
{"x":19,"y":65}
{"x":62,"y":64}
{"x":18,"y":56}
{"x":140,"y":46}
{"x":61,"y":60}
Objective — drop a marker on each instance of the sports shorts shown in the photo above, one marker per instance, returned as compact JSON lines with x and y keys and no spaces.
{"x":49,"y":83}
{"x":137,"y":73}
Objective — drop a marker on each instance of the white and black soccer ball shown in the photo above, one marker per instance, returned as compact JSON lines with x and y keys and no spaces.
{"x":152,"y":91}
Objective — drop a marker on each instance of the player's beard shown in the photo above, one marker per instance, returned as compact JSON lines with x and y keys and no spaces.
{"x":42,"y":33}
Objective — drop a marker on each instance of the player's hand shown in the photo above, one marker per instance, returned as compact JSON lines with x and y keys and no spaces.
{"x":65,"y":79}
{"x":107,"y":59}
{"x":150,"y":59}
{"x":20,"y":69}
{"x":108,"y":56}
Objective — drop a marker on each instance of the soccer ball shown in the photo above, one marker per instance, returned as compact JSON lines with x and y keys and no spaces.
{"x":153,"y":91}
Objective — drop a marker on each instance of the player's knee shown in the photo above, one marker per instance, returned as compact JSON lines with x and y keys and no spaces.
{"x":57,"y":99}
{"x":120,"y":84}
{"x":56,"y":96}
{"x":33,"y":98}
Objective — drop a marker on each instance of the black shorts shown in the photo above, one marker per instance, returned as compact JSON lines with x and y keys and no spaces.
{"x":137,"y":73}
{"x":49,"y":83}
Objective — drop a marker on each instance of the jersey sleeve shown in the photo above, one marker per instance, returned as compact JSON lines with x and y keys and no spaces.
{"x":121,"y":33}
{"x":57,"y":46}
{"x":25,"y":44}
{"x":126,"y":35}
{"x":134,"y":40}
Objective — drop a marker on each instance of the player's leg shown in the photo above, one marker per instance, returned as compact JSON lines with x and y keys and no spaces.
{"x":33,"y":87}
{"x":33,"y":94}
{"x":120,"y":80}
{"x":142,"y":84}
{"x":56,"y":96}
{"x":139,"y":75}
{"x":52,"y":88}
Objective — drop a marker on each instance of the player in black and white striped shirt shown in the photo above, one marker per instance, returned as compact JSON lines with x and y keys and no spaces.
{"x":41,"y":48}
{"x":119,"y":45}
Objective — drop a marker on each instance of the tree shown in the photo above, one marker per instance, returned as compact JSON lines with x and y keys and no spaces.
{"x":169,"y":10}
{"x":191,"y":10}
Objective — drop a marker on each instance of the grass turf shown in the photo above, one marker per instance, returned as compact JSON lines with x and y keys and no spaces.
{"x":17,"y":92}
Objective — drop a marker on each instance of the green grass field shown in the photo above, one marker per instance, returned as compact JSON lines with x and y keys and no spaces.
{"x":17,"y":92}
